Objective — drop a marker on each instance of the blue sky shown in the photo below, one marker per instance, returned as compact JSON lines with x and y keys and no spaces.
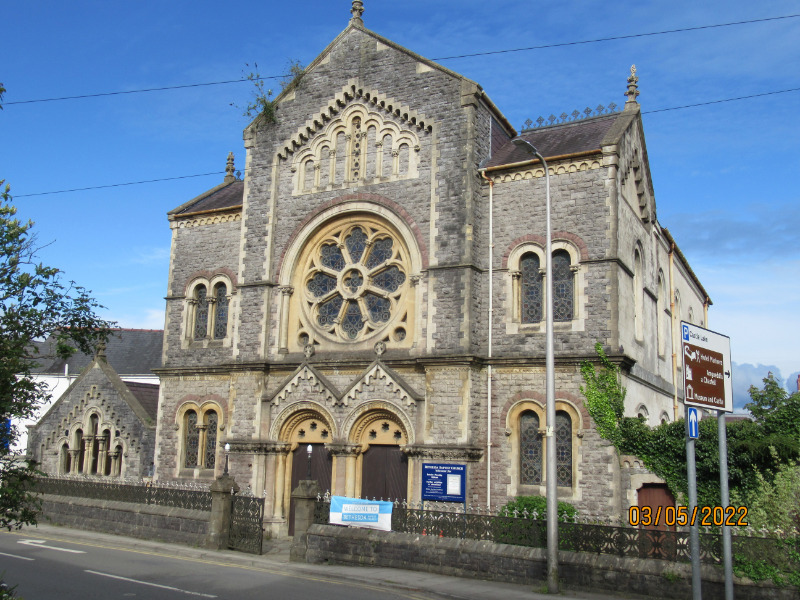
{"x":725,"y":175}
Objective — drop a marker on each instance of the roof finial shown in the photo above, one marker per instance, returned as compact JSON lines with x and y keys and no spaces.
{"x":357,"y":11}
{"x":633,"y":87}
{"x":229,"y":176}
{"x":100,"y":351}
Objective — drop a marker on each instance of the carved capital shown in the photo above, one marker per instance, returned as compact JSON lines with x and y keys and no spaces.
{"x":286,"y":290}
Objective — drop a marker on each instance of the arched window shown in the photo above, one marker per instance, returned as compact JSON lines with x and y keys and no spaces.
{"x":563,"y":449}
{"x":563,"y":287}
{"x":637,"y":294}
{"x":192,"y":439}
{"x":530,"y":288}
{"x":220,"y":311}
{"x":64,"y":461}
{"x":210,"y":453}
{"x":530,"y":449}
{"x":201,"y":313}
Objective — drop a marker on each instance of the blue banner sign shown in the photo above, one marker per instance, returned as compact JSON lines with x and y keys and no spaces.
{"x":444,"y":482}
{"x":372,"y":514}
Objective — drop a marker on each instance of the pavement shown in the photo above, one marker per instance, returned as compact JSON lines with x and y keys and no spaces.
{"x":275,"y":557}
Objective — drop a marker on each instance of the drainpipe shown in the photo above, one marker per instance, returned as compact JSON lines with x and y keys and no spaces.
{"x":706,"y":302}
{"x":673,"y":336}
{"x":489,"y":353}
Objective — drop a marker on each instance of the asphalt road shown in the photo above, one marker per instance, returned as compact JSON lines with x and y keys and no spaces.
{"x":59,"y":569}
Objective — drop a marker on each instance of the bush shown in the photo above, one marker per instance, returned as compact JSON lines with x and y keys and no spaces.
{"x":538,"y":505}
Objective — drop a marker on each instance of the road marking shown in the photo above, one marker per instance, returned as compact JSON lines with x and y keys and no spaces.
{"x":163,"y":587}
{"x":277,"y":570}
{"x":15,"y":556}
{"x":41,"y":544}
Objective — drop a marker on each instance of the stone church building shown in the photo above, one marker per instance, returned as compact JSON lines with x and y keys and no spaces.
{"x":373,"y":287}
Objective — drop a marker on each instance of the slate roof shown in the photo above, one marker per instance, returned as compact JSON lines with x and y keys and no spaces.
{"x":226,"y":195}
{"x":128,"y":351}
{"x":147,"y":395}
{"x":556,"y":140}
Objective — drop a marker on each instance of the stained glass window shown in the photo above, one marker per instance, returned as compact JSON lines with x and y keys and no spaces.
{"x":563,"y":449}
{"x":530,"y":449}
{"x":201,"y":313}
{"x":221,"y":311}
{"x":563,"y":297}
{"x":356,"y":243}
{"x":211,"y":439}
{"x":192,"y":439}
{"x":321,"y":284}
{"x":530,"y":289}
{"x":355,"y":284}
{"x":353,"y":321}
{"x":378,"y":308}
{"x":331,"y":257}
{"x":329,"y":311}
{"x":380,"y":253}
{"x":390,"y":279}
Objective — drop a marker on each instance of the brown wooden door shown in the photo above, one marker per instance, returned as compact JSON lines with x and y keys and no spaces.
{"x":384,"y":473}
{"x":321,"y":465}
{"x":656,"y":495}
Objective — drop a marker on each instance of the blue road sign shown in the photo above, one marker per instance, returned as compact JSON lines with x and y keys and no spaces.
{"x":694,"y":422}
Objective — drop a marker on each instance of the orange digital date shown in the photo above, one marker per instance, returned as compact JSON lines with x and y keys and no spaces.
{"x":706,"y":516}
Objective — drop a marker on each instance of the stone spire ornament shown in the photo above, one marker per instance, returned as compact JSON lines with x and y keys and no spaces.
{"x":633,"y":87}
{"x":357,"y":11}
{"x":229,"y":176}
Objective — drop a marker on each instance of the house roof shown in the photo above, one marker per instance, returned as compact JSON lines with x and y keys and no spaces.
{"x":128,"y":351}
{"x":556,"y":140}
{"x":147,"y":395}
{"x":225,"y":196}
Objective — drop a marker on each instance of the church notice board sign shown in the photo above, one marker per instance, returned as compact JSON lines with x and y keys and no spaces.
{"x":444,"y":482}
{"x":706,"y":368}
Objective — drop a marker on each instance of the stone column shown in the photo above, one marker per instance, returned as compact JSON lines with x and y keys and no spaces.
{"x":345,"y":458}
{"x":219,"y":526}
{"x":286,"y":293}
{"x":305,"y":499}
{"x":74,"y":457}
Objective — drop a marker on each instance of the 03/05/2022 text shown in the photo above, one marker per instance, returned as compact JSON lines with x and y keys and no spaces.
{"x":670,"y":516}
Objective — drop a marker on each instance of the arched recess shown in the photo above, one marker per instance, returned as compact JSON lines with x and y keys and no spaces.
{"x":527,"y":464}
{"x":305,"y":428}
{"x":381,"y":468}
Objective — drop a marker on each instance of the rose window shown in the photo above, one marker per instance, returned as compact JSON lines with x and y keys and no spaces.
{"x":355,"y":278}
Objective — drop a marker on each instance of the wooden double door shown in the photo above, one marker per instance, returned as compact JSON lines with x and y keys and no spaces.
{"x":384,"y":473}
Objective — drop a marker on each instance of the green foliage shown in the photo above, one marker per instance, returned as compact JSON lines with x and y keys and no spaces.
{"x":662,"y":449}
{"x":537,"y":505}
{"x":773,"y":504}
{"x":605,"y":396}
{"x":34,"y":304}
{"x":2,"y":92}
{"x":262,"y":106}
{"x":782,"y":565}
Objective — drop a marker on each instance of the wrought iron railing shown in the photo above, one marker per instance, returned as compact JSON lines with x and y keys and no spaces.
{"x":592,"y":538}
{"x":172,"y":494}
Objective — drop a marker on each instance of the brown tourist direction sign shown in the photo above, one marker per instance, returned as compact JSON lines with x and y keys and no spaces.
{"x":706,"y":368}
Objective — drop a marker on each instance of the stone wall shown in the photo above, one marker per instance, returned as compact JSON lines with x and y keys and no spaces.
{"x":517,"y":564}
{"x":144,"y":521}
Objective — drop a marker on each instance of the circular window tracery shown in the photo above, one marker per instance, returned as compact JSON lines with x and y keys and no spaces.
{"x":355,"y":278}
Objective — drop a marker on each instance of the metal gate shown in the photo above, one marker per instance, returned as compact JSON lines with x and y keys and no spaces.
{"x":247,"y":516}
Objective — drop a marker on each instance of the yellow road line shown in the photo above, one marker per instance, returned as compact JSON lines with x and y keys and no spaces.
{"x":27,"y":533}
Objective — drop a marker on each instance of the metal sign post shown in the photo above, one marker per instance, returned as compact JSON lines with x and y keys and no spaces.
{"x":707,"y":384}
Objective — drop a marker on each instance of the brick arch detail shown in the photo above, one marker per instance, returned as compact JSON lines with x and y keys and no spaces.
{"x":540,"y":240}
{"x":540,"y":399}
{"x":208,"y":276}
{"x":360,"y":197}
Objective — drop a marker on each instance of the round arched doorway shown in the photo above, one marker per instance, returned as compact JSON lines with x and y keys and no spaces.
{"x":303,"y":430}
{"x":383,"y":468}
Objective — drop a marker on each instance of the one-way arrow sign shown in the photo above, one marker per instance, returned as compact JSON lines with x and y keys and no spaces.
{"x":694,"y":423}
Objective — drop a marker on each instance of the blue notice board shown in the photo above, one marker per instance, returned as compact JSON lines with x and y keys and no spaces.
{"x":444,"y":482}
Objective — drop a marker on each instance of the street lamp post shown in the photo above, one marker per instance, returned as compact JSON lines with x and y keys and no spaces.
{"x":308,"y":469}
{"x":550,"y":390}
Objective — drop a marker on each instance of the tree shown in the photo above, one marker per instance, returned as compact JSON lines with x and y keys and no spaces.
{"x":35,"y":304}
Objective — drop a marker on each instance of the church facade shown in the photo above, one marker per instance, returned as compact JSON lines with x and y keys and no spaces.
{"x":373,"y":289}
